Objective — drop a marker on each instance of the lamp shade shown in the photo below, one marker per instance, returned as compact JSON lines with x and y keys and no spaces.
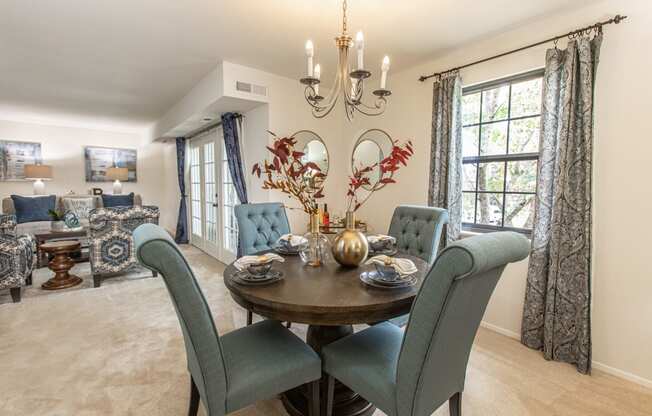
{"x":117,"y":174}
{"x":38,"y":172}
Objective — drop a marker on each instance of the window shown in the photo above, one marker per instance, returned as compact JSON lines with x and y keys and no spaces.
{"x":500,"y":149}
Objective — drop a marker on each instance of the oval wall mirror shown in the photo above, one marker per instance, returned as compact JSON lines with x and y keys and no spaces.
{"x":314,"y":150}
{"x":371,"y":147}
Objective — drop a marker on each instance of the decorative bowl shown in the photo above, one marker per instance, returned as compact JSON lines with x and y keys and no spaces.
{"x":262,"y":268}
{"x":386,"y":272}
{"x":381,"y":245}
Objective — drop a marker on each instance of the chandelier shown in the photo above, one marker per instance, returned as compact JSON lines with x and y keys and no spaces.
{"x":348,"y":84}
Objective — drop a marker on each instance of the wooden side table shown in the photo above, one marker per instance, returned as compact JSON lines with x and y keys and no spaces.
{"x":61,"y":264}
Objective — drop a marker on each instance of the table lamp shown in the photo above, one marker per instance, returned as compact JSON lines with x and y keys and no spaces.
{"x":117,"y":174}
{"x":38,"y":173}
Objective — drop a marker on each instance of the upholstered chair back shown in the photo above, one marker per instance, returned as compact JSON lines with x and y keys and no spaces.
{"x":445,"y":317}
{"x":418,"y":230}
{"x":260,"y":226}
{"x":157,"y":251}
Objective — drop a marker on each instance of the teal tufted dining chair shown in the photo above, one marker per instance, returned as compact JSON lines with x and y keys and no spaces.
{"x":235,"y":370}
{"x":418,"y":231}
{"x":259,"y":228}
{"x":412,"y":372}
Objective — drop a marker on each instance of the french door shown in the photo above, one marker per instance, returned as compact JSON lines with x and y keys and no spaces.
{"x":212,"y":197}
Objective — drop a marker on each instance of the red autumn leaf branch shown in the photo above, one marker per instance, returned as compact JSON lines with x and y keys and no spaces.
{"x":288,"y":174}
{"x":399,"y":156}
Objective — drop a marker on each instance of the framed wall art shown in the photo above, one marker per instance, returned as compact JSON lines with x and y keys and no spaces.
{"x":14,"y":155}
{"x":98,"y":159}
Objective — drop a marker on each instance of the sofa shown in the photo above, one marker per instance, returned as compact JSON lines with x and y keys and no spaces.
{"x":62,"y":203}
{"x":111,"y":241}
{"x":16,"y":257}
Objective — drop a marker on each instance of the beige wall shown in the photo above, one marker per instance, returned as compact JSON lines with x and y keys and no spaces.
{"x":63,"y":148}
{"x":622,"y":333}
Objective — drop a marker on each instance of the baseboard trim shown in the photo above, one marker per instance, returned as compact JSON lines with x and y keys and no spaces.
{"x":596,"y":365}
{"x":500,"y":330}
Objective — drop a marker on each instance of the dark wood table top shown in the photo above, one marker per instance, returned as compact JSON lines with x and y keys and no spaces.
{"x":60,"y":246}
{"x":327,"y":295}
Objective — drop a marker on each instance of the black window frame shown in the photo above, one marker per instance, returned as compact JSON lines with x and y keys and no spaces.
{"x":506,"y":158}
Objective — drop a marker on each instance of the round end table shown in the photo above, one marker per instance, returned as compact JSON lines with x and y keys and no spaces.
{"x":61,"y":264}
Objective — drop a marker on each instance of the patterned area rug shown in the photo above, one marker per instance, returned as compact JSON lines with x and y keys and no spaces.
{"x":82,"y":270}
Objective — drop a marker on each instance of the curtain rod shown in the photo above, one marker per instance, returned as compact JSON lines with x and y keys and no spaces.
{"x":597,"y":27}
{"x":209,"y":127}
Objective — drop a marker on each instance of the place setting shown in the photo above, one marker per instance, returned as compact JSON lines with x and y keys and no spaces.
{"x":390,"y":272}
{"x":290,"y":244}
{"x":381,"y":244}
{"x":257,"y":270}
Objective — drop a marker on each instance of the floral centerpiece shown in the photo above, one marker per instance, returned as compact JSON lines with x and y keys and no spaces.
{"x":302,"y":181}
{"x":350,"y":246}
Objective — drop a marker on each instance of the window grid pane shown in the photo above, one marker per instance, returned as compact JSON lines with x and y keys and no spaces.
{"x":502,"y":153}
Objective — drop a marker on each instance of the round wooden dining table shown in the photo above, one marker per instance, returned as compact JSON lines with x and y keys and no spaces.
{"x":330,"y":299}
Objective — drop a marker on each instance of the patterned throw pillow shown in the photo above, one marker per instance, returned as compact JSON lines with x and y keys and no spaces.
{"x":79,"y":206}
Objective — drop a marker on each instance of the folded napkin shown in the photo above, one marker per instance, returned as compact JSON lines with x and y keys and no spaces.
{"x":245,"y":261}
{"x":380,"y":237}
{"x":403,"y":267}
{"x":293,"y":240}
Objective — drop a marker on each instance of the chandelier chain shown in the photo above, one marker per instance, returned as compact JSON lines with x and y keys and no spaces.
{"x":344,"y":17}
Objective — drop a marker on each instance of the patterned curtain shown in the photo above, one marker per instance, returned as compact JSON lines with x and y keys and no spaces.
{"x":556,"y":316}
{"x":233,"y":155}
{"x":445,"y":183}
{"x":181,"y":235}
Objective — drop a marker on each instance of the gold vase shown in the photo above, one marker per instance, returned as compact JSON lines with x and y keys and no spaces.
{"x":350,"y":246}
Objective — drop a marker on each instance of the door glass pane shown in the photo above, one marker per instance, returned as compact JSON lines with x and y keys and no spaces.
{"x":195,"y":191}
{"x":209,"y":192}
{"x":230,"y":227}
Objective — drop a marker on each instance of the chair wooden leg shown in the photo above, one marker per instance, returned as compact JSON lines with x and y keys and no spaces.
{"x":154,"y":274}
{"x":250,"y":318}
{"x":288,"y":324}
{"x":193,"y":407}
{"x":28,"y":281}
{"x":97,"y":280}
{"x":455,"y":404}
{"x":313,"y":401}
{"x":15,"y":294}
{"x":327,"y":405}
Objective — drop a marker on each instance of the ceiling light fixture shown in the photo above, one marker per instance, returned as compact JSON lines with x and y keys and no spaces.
{"x":348,"y":84}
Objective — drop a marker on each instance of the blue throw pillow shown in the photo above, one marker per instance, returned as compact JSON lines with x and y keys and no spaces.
{"x":31,"y":209}
{"x":110,"y":201}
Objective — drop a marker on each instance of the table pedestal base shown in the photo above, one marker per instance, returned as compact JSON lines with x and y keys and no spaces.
{"x":345,"y":401}
{"x":61,"y":265}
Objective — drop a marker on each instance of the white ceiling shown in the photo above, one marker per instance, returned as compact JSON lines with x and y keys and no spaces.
{"x":127,"y":61}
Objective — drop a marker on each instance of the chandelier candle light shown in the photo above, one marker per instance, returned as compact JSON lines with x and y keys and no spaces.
{"x":348,"y":84}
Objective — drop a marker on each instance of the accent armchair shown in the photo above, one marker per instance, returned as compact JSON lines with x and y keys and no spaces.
{"x":412,"y":372}
{"x":259,"y":228}
{"x":111,"y":238}
{"x":417,"y":230}
{"x":16,"y":258}
{"x":235,"y":370}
